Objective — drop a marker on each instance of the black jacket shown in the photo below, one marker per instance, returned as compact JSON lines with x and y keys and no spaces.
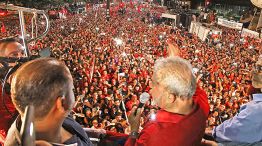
{"x":79,"y":135}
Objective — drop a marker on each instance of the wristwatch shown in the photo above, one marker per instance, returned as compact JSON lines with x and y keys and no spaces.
{"x":134,"y":135}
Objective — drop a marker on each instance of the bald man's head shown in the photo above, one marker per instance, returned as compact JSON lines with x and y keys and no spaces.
{"x":40,"y":82}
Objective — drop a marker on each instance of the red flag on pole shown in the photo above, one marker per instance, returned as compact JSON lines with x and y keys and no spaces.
{"x":207,"y":2}
{"x":93,"y":67}
{"x":139,"y":9}
{"x":3,"y":30}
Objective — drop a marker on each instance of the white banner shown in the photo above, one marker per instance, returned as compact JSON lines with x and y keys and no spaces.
{"x":192,"y":27}
{"x":201,"y":31}
{"x":165,"y":15}
{"x":195,"y":27}
{"x":229,"y":24}
{"x":250,"y":33}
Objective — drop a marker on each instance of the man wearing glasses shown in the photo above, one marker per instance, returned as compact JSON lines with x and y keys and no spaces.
{"x":180,"y":121}
{"x":245,"y":128}
{"x":9,"y":47}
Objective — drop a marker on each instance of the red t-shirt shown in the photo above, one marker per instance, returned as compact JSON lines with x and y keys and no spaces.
{"x":170,"y":129}
{"x":200,"y":97}
{"x":6,"y":118}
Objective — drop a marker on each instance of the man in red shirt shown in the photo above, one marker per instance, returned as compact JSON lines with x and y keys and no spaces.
{"x":181,"y":120}
{"x":8,"y":48}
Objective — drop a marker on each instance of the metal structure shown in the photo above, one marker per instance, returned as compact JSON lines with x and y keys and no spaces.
{"x":21,"y":11}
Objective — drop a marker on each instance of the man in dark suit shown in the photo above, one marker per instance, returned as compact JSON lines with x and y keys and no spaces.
{"x":47,"y":85}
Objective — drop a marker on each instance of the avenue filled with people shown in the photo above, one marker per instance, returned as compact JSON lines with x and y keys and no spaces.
{"x":112,"y":64}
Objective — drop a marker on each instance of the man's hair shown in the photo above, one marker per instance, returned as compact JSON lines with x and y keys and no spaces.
{"x":175,"y":74}
{"x":39,"y":83}
{"x":5,"y":42}
{"x":8,"y":40}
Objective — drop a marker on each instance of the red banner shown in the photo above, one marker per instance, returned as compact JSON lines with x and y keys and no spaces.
{"x":3,"y":30}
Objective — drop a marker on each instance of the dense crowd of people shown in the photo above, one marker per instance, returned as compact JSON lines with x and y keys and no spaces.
{"x":112,"y":64}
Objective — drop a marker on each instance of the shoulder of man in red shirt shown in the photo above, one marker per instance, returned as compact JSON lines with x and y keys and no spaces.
{"x":172,"y":129}
{"x":200,"y":97}
{"x":6,"y":119}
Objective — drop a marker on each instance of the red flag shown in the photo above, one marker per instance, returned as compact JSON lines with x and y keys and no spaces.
{"x":139,"y":9}
{"x":207,"y":2}
{"x":3,"y":30}
{"x":92,"y":71}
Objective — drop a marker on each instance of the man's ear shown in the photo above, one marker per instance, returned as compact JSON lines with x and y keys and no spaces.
{"x":60,"y":101}
{"x":171,"y":98}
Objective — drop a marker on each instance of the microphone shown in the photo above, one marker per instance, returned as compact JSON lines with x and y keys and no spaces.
{"x":28,"y":129}
{"x":144,"y":97}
